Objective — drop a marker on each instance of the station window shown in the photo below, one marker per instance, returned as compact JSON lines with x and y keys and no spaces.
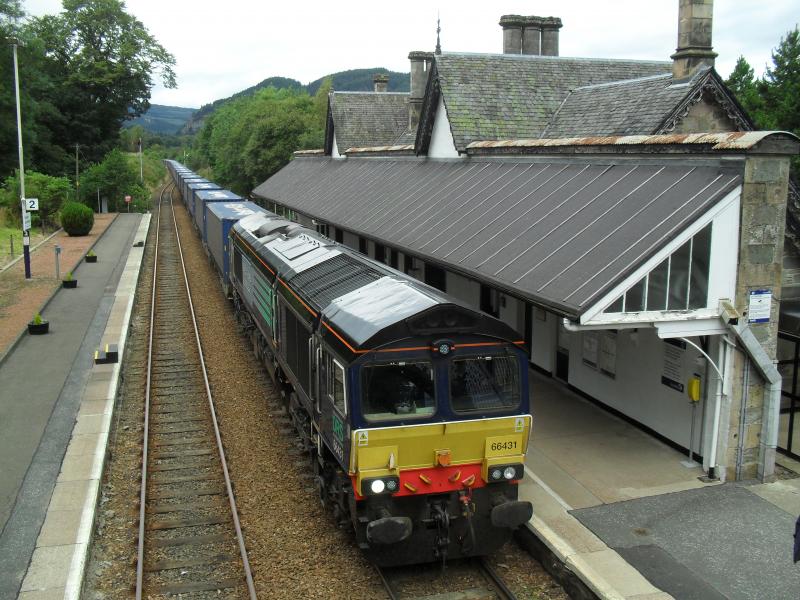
{"x":324,"y":229}
{"x":380,"y":253}
{"x":679,"y":282}
{"x":362,"y":245}
{"x":339,"y":235}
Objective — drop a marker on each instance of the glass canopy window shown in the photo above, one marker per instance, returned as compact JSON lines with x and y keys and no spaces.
{"x":679,"y":282}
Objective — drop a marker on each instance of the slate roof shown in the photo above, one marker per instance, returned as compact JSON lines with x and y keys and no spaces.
{"x":631,"y":107}
{"x":559,"y":232}
{"x":510,"y":96}
{"x":362,"y":119}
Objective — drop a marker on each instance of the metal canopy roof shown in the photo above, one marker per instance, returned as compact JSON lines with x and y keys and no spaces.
{"x":559,"y":233}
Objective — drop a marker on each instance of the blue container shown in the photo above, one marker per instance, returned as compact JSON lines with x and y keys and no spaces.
{"x":193,"y":186}
{"x":220,"y":218}
{"x":204,"y":197}
{"x":186,"y":194}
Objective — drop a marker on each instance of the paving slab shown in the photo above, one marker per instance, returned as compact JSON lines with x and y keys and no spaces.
{"x":727,"y":536}
{"x":42,"y":380}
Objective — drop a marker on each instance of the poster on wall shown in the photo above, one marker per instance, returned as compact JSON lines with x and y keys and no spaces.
{"x":590,"y":345}
{"x":759,"y":306}
{"x":608,"y":354}
{"x":672,"y":374}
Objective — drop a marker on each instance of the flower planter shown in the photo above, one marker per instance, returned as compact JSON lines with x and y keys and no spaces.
{"x":91,"y":259}
{"x":38,"y":328}
{"x":70,"y":284}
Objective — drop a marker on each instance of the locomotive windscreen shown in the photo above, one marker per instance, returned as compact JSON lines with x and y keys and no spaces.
{"x":399,"y":390}
{"x":484,"y":383}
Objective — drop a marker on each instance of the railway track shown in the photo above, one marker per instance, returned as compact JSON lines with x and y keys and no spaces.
{"x":461,"y":580}
{"x":190,"y":540}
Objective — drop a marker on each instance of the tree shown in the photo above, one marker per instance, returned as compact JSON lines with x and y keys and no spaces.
{"x":101,"y":62}
{"x":52,"y":192}
{"x":782,"y":91}
{"x":113,"y":178}
{"x":747,"y":89}
{"x":248,"y":139}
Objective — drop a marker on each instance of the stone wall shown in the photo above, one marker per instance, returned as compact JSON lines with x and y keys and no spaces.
{"x":762,"y":222}
{"x":708,"y":116}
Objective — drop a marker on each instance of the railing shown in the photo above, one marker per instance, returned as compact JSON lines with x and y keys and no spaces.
{"x":788,"y":365}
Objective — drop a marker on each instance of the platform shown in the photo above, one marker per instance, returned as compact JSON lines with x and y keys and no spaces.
{"x":622,"y":512}
{"x":43,"y":381}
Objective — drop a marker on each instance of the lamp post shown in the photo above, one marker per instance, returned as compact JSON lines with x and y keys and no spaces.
{"x":26,"y":221}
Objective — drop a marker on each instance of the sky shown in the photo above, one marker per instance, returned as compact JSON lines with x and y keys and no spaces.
{"x":220,"y":52}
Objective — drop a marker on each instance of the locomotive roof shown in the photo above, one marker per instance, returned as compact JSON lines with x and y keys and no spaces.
{"x":369,"y":302}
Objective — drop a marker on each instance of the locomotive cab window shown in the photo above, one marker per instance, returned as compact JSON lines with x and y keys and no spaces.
{"x":332,"y":381}
{"x":398,"y":391}
{"x":484,"y":383}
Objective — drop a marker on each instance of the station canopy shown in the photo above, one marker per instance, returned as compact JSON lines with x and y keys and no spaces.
{"x":561,"y":233}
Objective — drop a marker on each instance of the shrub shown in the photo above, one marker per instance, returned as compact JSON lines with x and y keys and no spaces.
{"x":76,"y":218}
{"x":37,"y":320}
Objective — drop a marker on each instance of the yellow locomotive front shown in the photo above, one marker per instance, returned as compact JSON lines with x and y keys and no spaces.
{"x":436,"y":458}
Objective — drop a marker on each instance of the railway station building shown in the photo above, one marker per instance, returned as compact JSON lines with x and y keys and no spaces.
{"x":623,"y":216}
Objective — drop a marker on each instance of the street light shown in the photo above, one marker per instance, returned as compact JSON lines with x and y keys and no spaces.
{"x":26,"y":220}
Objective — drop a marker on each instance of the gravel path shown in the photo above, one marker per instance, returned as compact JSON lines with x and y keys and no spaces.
{"x":20,"y":299}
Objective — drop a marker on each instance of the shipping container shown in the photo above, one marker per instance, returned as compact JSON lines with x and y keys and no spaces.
{"x":220,"y":218}
{"x":204,"y":197}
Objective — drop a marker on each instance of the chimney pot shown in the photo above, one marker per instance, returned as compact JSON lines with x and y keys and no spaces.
{"x":381,"y":82}
{"x":530,"y":35}
{"x":550,"y":27}
{"x":695,"y":20}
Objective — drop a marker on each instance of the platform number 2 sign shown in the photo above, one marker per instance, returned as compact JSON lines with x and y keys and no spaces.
{"x":31,"y":204}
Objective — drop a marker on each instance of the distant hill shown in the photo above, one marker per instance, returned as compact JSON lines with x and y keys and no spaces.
{"x":163,"y":119}
{"x":354,"y":80}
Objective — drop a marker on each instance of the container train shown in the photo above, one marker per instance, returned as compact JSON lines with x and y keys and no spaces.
{"x":413,"y":405}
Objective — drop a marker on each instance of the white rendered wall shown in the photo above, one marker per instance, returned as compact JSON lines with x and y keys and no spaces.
{"x":512,"y":314}
{"x":442,"y":144}
{"x":350,"y":240}
{"x":467,"y":290}
{"x":637,"y":390}
{"x":335,"y":148}
{"x":543,"y":340}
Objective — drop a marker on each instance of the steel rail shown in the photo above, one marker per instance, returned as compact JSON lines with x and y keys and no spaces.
{"x":501,"y":588}
{"x":234,"y":511}
{"x":143,"y":491}
{"x":145,"y":445}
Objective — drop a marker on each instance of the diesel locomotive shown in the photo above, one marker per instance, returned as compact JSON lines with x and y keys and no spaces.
{"x":413,"y":405}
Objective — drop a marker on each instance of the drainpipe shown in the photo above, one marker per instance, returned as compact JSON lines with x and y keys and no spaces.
{"x":712,"y":459}
{"x":771,"y":420}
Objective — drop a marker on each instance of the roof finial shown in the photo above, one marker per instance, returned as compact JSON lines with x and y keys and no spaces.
{"x":438,"y":30}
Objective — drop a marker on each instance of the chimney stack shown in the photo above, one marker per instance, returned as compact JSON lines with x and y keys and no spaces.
{"x":381,"y":82}
{"x":420,"y":67}
{"x":530,"y":35}
{"x":695,"y":18}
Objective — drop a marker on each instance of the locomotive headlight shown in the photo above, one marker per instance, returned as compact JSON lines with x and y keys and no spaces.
{"x":501,"y":473}
{"x":389,"y":484}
